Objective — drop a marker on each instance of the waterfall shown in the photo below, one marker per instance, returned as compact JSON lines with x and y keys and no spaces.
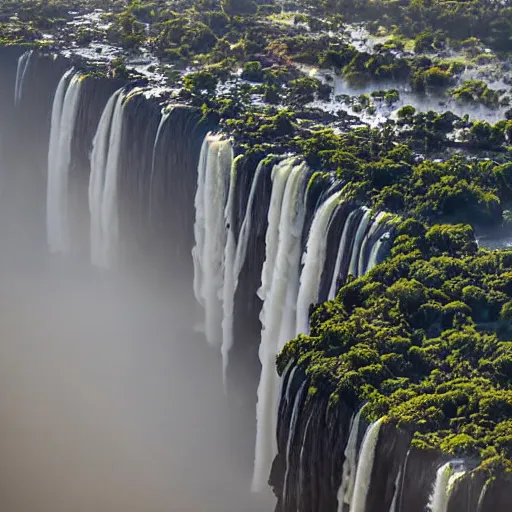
{"x":230,"y":274}
{"x":313,"y":261}
{"x":481,"y":498}
{"x":299,"y":227}
{"x":358,"y":240}
{"x":301,"y":457}
{"x":243,"y":237}
{"x":365,"y":467}
{"x":23,"y":64}
{"x":446,"y":477}
{"x":64,"y":114}
{"x":287,"y":289}
{"x":376,"y":250}
{"x":458,"y":473}
{"x":163,"y":119}
{"x":291,"y":435}
{"x":280,"y":174}
{"x":211,"y":233}
{"x":402,"y":483}
{"x":348,"y":477}
{"x":199,"y":224}
{"x":362,"y":265}
{"x":394,"y":502}
{"x":279,"y":288}
{"x":341,"y":252}
{"x":103,"y":182}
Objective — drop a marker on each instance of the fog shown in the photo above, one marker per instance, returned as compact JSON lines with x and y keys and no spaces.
{"x":110,"y":400}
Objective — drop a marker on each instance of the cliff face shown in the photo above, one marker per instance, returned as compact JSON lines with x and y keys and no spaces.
{"x":313,"y":452}
{"x":287,"y":207}
{"x":154,"y":216}
{"x":156,"y":187}
{"x":156,"y":184}
{"x":330,"y":459}
{"x":25,"y":128}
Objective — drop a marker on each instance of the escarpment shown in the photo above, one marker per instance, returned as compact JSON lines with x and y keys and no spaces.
{"x":385,"y":356}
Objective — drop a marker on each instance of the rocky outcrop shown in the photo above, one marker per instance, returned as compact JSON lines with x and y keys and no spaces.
{"x":308,"y":470}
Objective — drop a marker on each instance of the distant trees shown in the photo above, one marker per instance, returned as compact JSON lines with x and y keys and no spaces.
{"x":422,"y":340}
{"x":200,"y":82}
{"x":238,"y":7}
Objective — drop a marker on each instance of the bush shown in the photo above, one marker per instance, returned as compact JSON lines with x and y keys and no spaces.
{"x":253,"y":72}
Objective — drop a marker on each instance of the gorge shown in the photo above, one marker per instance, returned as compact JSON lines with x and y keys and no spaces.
{"x":124,"y":177}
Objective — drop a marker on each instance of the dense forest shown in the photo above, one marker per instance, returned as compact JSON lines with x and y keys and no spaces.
{"x":424,"y":340}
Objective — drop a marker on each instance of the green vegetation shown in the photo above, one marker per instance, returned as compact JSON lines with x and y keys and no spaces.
{"x":431,"y":24}
{"x":477,"y":91}
{"x":424,"y":339}
{"x":209,"y":32}
{"x":382,"y":170}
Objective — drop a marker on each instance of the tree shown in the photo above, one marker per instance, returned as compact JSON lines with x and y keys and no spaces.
{"x":253,"y":72}
{"x":238,"y":7}
{"x":200,"y":81}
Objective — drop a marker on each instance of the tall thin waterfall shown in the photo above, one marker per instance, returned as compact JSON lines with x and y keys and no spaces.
{"x":230,"y":272}
{"x":341,"y":252}
{"x":279,"y":288}
{"x":302,"y":476}
{"x":314,"y":260}
{"x":358,"y":240}
{"x":446,"y":477}
{"x":376,"y":250}
{"x":348,"y":477}
{"x":23,"y":64}
{"x":394,"y":501}
{"x":291,"y":432}
{"x":481,"y":498}
{"x":365,"y":468}
{"x":64,"y":114}
{"x":103,"y":183}
{"x":211,"y":232}
{"x":362,"y":266}
{"x":165,"y":115}
{"x":243,"y":238}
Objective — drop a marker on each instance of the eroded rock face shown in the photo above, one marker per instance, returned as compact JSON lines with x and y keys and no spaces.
{"x":307,"y":471}
{"x":157,"y":184}
{"x":158,"y":177}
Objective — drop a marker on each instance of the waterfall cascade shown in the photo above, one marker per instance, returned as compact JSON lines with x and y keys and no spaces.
{"x":292,"y":272}
{"x":64,"y":114}
{"x":291,"y":431}
{"x":313,"y":261}
{"x":103,"y":183}
{"x":446,"y":477}
{"x":23,"y":64}
{"x":365,"y":468}
{"x":163,"y":120}
{"x":348,"y":477}
{"x":310,"y":244}
{"x":279,"y":294}
{"x":211,"y":232}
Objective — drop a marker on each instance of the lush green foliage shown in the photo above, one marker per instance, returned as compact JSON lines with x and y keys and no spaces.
{"x":431,"y":24}
{"x":382,"y":169}
{"x":425,"y":340}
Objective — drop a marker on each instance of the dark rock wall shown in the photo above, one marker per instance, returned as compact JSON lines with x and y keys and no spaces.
{"x":94,"y":96}
{"x":307,"y":471}
{"x":25,"y":132}
{"x":157,"y":186}
{"x":165,"y":235}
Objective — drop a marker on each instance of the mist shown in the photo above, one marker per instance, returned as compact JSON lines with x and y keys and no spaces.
{"x":110,"y":398}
